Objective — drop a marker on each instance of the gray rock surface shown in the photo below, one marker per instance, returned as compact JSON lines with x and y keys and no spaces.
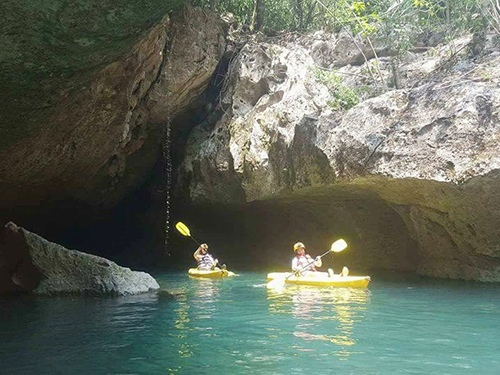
{"x":51,"y":48}
{"x":99,"y":131}
{"x":29,"y":263}
{"x":428,"y":151}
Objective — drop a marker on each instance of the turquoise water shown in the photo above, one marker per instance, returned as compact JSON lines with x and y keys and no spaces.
{"x":239,"y":327}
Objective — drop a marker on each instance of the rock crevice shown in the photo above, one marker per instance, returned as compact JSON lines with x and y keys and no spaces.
{"x":101,"y":136}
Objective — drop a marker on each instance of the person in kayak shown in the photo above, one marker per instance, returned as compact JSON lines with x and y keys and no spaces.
{"x":302,"y":261}
{"x":204,"y":259}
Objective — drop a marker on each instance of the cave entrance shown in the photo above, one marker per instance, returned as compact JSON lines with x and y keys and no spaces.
{"x":260,"y":235}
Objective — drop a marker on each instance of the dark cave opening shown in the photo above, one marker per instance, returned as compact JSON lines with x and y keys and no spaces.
{"x":133,"y":232}
{"x":260,"y":235}
{"x":257,"y":235}
{"x":253,"y":236}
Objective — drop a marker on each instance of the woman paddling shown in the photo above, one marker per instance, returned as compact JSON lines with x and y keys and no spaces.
{"x":204,"y":259}
{"x":302,"y":261}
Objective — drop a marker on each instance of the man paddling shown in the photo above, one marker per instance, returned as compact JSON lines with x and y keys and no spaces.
{"x":302,"y":261}
{"x":204,"y":259}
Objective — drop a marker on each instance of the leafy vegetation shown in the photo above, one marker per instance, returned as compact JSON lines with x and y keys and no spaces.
{"x":393,"y":17}
{"x":400,"y":24}
{"x":343,"y":97}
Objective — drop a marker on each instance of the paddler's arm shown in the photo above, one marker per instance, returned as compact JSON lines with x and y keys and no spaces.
{"x":197,"y":254}
{"x":317,"y":261}
{"x":295,"y":265}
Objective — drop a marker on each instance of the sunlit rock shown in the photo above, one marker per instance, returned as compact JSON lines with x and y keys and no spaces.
{"x":428,"y":152}
{"x":29,"y":263}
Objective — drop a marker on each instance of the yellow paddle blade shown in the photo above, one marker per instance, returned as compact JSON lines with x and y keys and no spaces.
{"x":338,"y":246}
{"x":181,"y":227}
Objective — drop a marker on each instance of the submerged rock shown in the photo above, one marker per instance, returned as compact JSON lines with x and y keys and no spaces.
{"x":29,"y":263}
{"x":165,"y":295}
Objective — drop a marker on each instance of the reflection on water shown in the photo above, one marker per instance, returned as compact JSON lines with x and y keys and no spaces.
{"x":192,"y":311}
{"x":311,"y":305}
{"x":238,"y":327}
{"x":304,"y":301}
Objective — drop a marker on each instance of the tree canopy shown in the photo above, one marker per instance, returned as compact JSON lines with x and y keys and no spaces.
{"x":398,"y":20}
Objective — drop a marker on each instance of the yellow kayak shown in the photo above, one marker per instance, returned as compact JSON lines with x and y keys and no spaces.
{"x":210,"y":274}
{"x":321,"y":279}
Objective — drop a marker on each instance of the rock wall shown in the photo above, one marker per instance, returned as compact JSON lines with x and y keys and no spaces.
{"x":426,"y":149}
{"x":99,"y":133}
{"x":305,"y":133}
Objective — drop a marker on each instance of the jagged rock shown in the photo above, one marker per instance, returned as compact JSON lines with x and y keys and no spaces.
{"x":263,"y":115}
{"x":29,"y":263}
{"x":99,"y":133}
{"x":335,"y":51}
{"x":197,"y":43}
{"x":428,"y":152}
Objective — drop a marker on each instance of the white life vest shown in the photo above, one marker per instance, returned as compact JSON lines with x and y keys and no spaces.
{"x":301,"y":262}
{"x":206,"y":262}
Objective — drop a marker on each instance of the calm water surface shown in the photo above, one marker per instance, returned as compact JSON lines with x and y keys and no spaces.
{"x":240,"y":327}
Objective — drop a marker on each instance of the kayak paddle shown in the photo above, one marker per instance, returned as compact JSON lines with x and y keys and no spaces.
{"x":181,"y":227}
{"x":279,"y":282}
{"x":184,"y":230}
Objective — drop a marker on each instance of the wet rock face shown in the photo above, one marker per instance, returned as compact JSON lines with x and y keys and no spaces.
{"x":51,"y":47}
{"x":99,"y":134}
{"x":197,"y":43}
{"x":428,"y":151}
{"x":29,"y":263}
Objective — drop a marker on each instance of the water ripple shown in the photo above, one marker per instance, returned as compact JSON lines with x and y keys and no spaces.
{"x":239,"y":326}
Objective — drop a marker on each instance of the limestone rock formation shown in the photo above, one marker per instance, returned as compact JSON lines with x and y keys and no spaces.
{"x":29,"y":263}
{"x":428,"y":151}
{"x":85,"y":111}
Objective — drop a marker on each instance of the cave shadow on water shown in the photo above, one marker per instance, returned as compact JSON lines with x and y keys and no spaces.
{"x":260,"y":235}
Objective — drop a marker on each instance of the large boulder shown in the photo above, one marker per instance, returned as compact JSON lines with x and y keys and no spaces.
{"x":428,"y":152}
{"x":29,"y":263}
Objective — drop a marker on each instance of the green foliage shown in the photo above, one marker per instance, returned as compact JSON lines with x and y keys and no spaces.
{"x":400,"y":23}
{"x":343,"y":97}
{"x":242,"y":9}
{"x":278,"y":15}
{"x":290,"y":15}
{"x":364,"y":19}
